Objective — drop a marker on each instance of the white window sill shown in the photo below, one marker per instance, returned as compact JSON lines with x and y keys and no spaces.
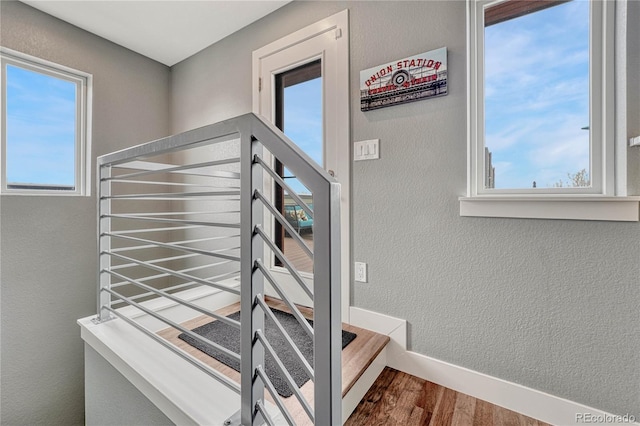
{"x":45,"y":193}
{"x":624,"y":209}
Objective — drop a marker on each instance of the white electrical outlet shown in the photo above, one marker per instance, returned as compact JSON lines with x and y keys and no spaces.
{"x":361,"y":272}
{"x":634,"y":141}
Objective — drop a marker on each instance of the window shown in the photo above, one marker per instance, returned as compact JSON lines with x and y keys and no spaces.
{"x":541,"y":112}
{"x":45,"y":127}
{"x":299,"y":115}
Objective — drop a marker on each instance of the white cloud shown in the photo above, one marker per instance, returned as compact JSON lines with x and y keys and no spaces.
{"x":509,"y":136}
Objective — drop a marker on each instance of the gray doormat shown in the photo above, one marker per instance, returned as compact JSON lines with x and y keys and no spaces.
{"x":229,"y":337}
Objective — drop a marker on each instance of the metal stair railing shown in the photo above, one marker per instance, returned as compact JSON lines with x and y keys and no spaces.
{"x":189,"y":211}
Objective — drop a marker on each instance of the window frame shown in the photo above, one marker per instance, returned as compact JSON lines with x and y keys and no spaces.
{"x":606,"y":199}
{"x":83,"y":82}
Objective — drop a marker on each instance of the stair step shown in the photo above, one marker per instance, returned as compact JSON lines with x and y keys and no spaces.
{"x":356,"y":357}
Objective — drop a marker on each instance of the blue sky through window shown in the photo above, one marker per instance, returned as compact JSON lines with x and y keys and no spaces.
{"x":303,"y":122}
{"x":40,"y":128}
{"x":537,"y":96}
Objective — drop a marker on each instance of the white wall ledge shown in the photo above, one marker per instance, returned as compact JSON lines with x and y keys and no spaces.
{"x":183,"y":392}
{"x":179,"y":389}
{"x":616,"y":209}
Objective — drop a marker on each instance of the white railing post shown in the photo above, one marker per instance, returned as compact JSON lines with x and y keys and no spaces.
{"x":104,"y":242}
{"x":327,"y":314}
{"x":251,"y":283}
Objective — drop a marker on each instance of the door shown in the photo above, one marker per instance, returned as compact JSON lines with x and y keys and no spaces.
{"x":301,"y":85}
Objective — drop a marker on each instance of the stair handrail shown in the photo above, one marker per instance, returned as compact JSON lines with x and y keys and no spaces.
{"x":326,"y":275}
{"x":257,"y":134}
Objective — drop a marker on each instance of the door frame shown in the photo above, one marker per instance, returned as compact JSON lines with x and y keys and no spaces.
{"x":336,"y":125}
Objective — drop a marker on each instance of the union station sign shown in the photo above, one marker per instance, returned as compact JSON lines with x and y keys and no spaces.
{"x":405,"y":80}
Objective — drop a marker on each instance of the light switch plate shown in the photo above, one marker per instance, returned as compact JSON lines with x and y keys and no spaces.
{"x":366,"y":150}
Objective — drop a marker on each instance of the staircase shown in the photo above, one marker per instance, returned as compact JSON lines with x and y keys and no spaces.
{"x":359,"y":356}
{"x":185,"y":238}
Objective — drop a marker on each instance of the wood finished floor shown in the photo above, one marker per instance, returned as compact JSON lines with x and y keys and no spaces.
{"x":399,"y":399}
{"x":296,"y":255}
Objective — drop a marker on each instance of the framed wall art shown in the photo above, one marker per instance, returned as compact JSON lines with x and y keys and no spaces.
{"x":405,"y":80}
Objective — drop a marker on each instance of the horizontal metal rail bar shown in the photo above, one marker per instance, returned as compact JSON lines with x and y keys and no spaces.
{"x":213,"y":253}
{"x":267,"y":310}
{"x":232,"y":323}
{"x":274,"y":394}
{"x":283,"y":370}
{"x":150,"y":214}
{"x":175,"y":325}
{"x":164,"y":183}
{"x":166,"y":197}
{"x":170,"y":169}
{"x":167,"y":289}
{"x":194,"y":240}
{"x":156,"y":165}
{"x":165,"y":259}
{"x":292,"y":270}
{"x":170,"y":195}
{"x":158,"y":276}
{"x":265,"y":415}
{"x":174,"y":273}
{"x":202,"y":367}
{"x":169,"y":228}
{"x":285,"y":298}
{"x":189,"y":222}
{"x":215,"y":174}
{"x":149,"y":246}
{"x":154,"y":244}
{"x":284,"y":223}
{"x":155,"y":261}
{"x":284,"y":185}
{"x":175,"y":287}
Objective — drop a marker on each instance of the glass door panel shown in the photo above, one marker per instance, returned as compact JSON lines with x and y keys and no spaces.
{"x":299,"y":116}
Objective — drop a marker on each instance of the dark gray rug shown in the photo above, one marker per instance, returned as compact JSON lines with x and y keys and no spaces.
{"x":229,"y":337}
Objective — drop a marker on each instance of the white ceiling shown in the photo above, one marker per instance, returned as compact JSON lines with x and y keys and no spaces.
{"x":167,"y":31}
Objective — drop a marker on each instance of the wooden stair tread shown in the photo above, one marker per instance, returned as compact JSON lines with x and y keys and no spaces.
{"x":356,"y":357}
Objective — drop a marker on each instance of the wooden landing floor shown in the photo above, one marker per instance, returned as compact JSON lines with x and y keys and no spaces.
{"x":399,"y":399}
{"x":296,"y":255}
{"x":356,"y":357}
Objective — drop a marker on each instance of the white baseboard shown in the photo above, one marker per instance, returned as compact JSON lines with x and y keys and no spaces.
{"x":530,"y":402}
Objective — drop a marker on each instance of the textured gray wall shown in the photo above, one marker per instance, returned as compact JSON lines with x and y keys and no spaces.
{"x":48,"y":244}
{"x":552,"y":305}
